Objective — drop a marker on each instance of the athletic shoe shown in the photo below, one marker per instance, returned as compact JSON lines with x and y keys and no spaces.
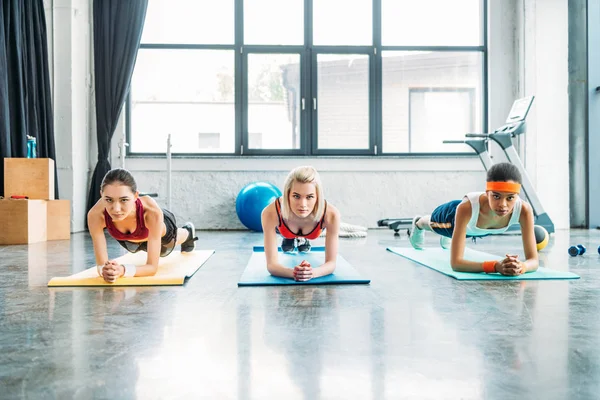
{"x":445,"y":242}
{"x":303,"y":245}
{"x":190,"y":244}
{"x":288,"y":245}
{"x":417,"y":235}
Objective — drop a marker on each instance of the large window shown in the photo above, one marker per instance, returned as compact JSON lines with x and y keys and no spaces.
{"x":273,"y":101}
{"x":428,"y":97}
{"x":308,"y":77}
{"x":342,"y":108}
{"x":438,"y":114}
{"x":186,"y":93}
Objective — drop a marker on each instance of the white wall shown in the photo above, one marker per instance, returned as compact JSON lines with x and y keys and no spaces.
{"x":542,"y":33}
{"x":50,"y":33}
{"x":365,"y":191}
{"x":502,"y":60}
{"x":70,"y":32}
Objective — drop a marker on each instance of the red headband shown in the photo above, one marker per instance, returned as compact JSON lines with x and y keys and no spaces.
{"x":504,"y":187}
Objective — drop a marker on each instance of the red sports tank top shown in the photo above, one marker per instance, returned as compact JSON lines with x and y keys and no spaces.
{"x":140,"y":233}
{"x":288,"y":234}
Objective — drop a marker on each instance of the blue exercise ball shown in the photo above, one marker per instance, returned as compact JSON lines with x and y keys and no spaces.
{"x":252,"y":200}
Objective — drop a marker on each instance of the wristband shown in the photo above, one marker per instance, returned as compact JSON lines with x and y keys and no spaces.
{"x":489,"y":267}
{"x":129,"y":269}
{"x":99,"y":269}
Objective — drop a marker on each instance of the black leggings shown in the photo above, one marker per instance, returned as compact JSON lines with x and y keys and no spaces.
{"x":167,"y":242}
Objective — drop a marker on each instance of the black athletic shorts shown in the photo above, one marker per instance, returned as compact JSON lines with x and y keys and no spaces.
{"x":167,"y":241}
{"x":442,"y":219}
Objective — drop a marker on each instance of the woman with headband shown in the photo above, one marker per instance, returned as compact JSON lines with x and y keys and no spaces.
{"x":481,"y":214}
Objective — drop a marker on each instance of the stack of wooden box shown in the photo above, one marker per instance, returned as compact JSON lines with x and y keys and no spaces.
{"x":38,"y":217}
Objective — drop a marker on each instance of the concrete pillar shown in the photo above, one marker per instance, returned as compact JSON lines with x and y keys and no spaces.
{"x":578,"y":115}
{"x":593,"y":171}
{"x":71,"y":66}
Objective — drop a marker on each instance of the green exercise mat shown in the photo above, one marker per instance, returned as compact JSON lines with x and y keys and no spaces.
{"x":438,"y":259}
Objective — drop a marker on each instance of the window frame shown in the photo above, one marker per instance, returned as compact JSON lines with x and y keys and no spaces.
{"x":309,"y":89}
{"x":304,"y":117}
{"x":314,"y":134}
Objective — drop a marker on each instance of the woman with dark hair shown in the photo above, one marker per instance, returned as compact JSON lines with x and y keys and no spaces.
{"x":480,"y":214}
{"x":137,"y":223}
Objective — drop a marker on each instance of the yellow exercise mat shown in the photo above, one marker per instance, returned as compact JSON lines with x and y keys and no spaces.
{"x":172,"y":270}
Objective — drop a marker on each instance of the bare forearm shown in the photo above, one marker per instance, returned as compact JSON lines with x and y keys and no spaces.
{"x":146,"y":270}
{"x":101,"y":260}
{"x":280,"y":271}
{"x":324,"y":269}
{"x":100,"y":252}
{"x":467,"y":266}
{"x":143,"y":270}
{"x":531,"y":265}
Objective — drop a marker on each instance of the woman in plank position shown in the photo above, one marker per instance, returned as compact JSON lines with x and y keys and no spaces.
{"x":481,"y":214}
{"x":300,"y":215}
{"x":137,"y":223}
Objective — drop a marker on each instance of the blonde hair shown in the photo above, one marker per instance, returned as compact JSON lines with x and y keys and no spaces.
{"x":303,"y":174}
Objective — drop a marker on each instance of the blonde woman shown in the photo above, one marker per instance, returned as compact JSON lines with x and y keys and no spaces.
{"x":300,"y":215}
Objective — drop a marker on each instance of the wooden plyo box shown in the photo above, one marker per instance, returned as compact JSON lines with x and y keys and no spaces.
{"x":23,"y":221}
{"x":31,"y":177}
{"x":59,"y":220}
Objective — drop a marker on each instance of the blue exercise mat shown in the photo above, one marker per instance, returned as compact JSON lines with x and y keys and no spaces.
{"x":256,"y":273}
{"x":438,"y":259}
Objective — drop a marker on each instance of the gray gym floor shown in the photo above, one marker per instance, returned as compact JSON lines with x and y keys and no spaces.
{"x":412,"y":333}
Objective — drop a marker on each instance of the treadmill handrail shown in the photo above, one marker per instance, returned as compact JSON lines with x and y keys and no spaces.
{"x":454,"y":141}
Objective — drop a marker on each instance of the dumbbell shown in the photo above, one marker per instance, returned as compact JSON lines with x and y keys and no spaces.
{"x":578,"y":250}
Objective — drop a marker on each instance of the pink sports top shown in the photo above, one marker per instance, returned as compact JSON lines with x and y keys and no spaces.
{"x":140,"y":233}
{"x":287,"y":232}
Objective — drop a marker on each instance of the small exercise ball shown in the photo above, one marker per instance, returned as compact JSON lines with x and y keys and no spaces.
{"x":541,"y":237}
{"x":251,"y":201}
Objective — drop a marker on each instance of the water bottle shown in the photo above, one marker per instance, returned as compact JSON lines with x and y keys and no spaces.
{"x":31,"y":147}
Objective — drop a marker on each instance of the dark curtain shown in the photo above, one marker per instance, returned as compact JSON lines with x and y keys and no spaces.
{"x":25,"y":98}
{"x":118,"y":28}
